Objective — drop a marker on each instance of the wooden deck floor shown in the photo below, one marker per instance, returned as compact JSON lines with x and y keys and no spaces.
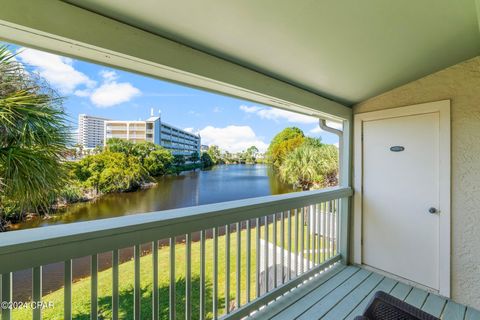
{"x":343,"y":293}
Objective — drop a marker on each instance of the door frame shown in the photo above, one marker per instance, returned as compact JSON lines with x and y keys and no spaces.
{"x":443,"y":109}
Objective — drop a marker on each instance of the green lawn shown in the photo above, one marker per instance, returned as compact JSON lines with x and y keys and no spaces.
{"x":81,"y":288}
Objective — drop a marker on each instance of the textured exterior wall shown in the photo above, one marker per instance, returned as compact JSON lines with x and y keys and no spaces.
{"x":461,"y":84}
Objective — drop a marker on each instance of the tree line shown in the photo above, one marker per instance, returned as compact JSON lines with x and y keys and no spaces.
{"x":215,"y":155}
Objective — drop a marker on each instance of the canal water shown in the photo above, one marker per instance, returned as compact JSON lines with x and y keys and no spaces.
{"x":218,"y":184}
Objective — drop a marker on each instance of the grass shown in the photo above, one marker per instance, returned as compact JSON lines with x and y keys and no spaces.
{"x":81,"y":288}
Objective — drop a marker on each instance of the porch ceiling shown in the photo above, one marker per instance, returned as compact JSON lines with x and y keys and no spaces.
{"x":347,"y":50}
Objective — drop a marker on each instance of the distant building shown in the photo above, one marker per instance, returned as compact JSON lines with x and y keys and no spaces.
{"x":178,"y":141}
{"x":203,"y":148}
{"x":91,"y":131}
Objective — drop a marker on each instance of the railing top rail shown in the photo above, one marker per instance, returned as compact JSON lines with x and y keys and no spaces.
{"x":84,"y":238}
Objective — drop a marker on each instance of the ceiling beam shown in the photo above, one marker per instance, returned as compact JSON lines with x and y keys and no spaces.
{"x":65,"y":29}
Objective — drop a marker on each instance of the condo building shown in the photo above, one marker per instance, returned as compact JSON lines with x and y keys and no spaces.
{"x":178,"y":141}
{"x":91,"y":132}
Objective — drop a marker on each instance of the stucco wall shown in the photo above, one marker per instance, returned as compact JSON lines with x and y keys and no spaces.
{"x":460,"y":84}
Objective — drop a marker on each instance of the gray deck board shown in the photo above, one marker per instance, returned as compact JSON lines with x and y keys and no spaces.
{"x":385,"y":285}
{"x":344,"y":292}
{"x":454,"y":311}
{"x":434,"y":305}
{"x":344,"y":307}
{"x":321,"y":307}
{"x":281,"y":304}
{"x":472,"y":314}
{"x":401,"y":291}
{"x":307,"y":301}
{"x":416,"y":297}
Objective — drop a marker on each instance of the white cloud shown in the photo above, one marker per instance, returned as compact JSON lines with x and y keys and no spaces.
{"x":251,"y":109}
{"x":188,"y":130}
{"x":232,"y":138}
{"x":61,"y":74}
{"x":111,"y":93}
{"x":108,"y":75}
{"x":58,"y":71}
{"x":83,"y":93}
{"x":217,"y":109}
{"x":278,"y":114}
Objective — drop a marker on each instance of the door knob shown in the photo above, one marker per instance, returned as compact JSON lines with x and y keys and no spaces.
{"x":432,"y":210}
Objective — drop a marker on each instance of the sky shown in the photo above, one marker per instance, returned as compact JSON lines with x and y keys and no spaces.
{"x":231,"y":123}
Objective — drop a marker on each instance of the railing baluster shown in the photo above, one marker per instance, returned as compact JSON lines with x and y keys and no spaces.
{"x":302,"y":237}
{"x":296,"y":243}
{"x":188,"y":277}
{"x":324,"y":229}
{"x":115,"y":274}
{"x":215,"y":273}
{"x":282,"y":245}
{"x":227,"y":269}
{"x":202,"y":275}
{"x":313,"y":230}
{"x":248,"y":262}
{"x":7,"y":295}
{"x":239,"y":264}
{"x":338,"y":225}
{"x":335,"y":203}
{"x":329,"y":218}
{"x":94,"y":287}
{"x":319,"y":233}
{"x":265,"y":256}
{"x":155,"y":297}
{"x":67,"y":294}
{"x":257,"y":258}
{"x":137,"y":294}
{"x":327,"y":246}
{"x":307,"y":215}
{"x":37,"y":291}
{"x":331,"y":228}
{"x":274,"y":253}
{"x":171,"y":302}
{"x":289,"y":245}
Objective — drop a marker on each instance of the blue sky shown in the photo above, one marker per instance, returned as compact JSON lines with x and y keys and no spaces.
{"x":231,"y":123}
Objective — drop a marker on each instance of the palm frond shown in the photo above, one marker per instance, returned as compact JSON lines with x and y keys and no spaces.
{"x":33,"y":137}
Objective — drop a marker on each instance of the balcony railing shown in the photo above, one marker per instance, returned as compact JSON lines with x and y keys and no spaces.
{"x":270,"y":246}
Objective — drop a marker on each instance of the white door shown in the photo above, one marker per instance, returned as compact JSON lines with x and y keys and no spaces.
{"x":401,"y":196}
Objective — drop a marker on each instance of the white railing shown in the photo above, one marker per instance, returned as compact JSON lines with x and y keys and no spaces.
{"x":243,"y":254}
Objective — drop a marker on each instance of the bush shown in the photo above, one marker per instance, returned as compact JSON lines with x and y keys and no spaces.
{"x":71,"y":193}
{"x":158,"y":162}
{"x":111,"y":172}
{"x":310,"y":166}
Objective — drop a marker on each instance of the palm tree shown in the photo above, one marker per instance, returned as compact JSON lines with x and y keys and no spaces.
{"x":33,"y":138}
{"x":310,"y":165}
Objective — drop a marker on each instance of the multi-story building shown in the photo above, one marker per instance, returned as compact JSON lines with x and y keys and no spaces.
{"x":178,"y":141}
{"x":91,"y":132}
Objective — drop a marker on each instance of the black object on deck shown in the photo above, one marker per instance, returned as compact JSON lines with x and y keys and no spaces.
{"x":386,"y":307}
